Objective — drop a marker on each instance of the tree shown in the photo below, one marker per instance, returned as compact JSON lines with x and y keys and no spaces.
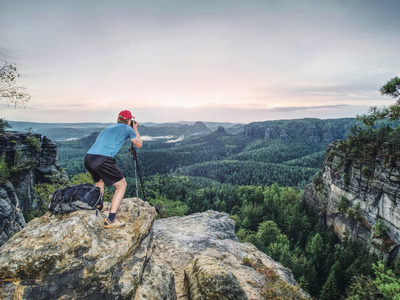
{"x":12,"y":94}
{"x":386,"y":282}
{"x":3,"y":125}
{"x":391,"y":88}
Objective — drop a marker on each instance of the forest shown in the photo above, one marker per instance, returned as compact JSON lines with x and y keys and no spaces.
{"x":257,"y":176}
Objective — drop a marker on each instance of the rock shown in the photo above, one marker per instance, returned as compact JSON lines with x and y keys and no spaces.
{"x":76,"y":257}
{"x":205,"y":278}
{"x":11,"y":217}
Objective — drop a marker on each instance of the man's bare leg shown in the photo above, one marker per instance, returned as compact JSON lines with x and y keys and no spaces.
{"x":119,"y":193}
{"x":100,"y":184}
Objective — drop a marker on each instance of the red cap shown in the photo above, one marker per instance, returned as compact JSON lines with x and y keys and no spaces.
{"x":125,"y":114}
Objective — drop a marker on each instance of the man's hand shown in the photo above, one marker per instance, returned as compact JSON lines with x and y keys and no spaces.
{"x":137,"y":141}
{"x":135,"y":124}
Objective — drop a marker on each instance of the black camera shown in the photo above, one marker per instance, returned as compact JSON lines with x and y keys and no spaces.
{"x":133,"y":122}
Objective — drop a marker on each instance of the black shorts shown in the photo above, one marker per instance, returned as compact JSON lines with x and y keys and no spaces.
{"x":103,"y":167}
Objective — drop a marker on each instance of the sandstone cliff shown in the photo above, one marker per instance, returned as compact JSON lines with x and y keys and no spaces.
{"x":29,"y":160}
{"x":357,"y":195}
{"x":192,"y":257}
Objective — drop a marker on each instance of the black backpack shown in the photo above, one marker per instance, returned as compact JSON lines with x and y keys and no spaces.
{"x":75,"y":197}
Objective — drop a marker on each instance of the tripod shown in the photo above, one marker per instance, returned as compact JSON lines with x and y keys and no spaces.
{"x":132,"y":150}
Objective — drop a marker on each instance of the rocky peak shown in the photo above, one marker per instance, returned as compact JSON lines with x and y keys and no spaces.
{"x":221,"y":129}
{"x":200,"y":126}
{"x":191,"y":257}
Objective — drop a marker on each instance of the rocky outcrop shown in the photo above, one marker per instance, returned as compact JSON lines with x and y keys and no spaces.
{"x":353,"y":193}
{"x":75,"y":257}
{"x":192,"y":257}
{"x":33,"y":160}
{"x":29,"y":159}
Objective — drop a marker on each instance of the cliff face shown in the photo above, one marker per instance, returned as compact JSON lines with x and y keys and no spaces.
{"x":30,"y":159}
{"x":11,"y":217}
{"x":359,"y":196}
{"x":192,"y":257}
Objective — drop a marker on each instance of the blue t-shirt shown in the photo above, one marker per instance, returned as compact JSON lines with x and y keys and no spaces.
{"x":111,"y":139}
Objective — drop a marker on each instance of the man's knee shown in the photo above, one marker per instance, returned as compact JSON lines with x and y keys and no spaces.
{"x":121,"y":184}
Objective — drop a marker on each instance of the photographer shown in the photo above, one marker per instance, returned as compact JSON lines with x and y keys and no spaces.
{"x":100,"y":162}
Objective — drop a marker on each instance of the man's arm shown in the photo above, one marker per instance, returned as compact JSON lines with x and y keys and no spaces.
{"x":137,"y":141}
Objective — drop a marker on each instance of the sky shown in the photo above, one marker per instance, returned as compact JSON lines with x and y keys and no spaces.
{"x":221,"y":60}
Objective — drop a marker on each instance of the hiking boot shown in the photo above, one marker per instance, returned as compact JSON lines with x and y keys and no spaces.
{"x":114,"y":224}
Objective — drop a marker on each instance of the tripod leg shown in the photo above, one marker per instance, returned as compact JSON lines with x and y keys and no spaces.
{"x":137,"y":189}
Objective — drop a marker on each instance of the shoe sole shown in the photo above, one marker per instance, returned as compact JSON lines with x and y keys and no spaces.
{"x":113,"y":226}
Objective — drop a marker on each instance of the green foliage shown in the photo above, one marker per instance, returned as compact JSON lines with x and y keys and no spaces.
{"x":43,"y":192}
{"x":386,"y":282}
{"x":346,"y":178}
{"x":354,"y":212}
{"x":318,"y":182}
{"x":248,"y":261}
{"x":391,"y":88}
{"x":167,"y":208}
{"x":330,"y":290}
{"x":363,"y":288}
{"x":380,"y":228}
{"x":18,"y":164}
{"x":228,"y":158}
{"x":33,"y":144}
{"x":4,"y":169}
{"x":343,"y":204}
{"x":366,"y":171}
{"x":4,"y":125}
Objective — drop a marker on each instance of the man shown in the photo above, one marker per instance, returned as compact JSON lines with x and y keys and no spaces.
{"x":100,"y":162}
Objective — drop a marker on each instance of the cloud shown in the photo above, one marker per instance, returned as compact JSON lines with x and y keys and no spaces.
{"x":297,"y":108}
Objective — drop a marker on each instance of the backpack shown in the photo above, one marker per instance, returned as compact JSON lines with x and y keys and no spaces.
{"x":75,"y":197}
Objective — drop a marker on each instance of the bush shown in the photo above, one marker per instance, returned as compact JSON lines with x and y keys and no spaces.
{"x":343,"y":204}
{"x":3,"y":125}
{"x":4,"y":170}
{"x":354,"y":212}
{"x":346,"y":179}
{"x":380,"y":228}
{"x":33,"y":144}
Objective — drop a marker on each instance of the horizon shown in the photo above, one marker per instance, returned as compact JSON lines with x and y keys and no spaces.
{"x":227,"y":61}
{"x":179,"y":122}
